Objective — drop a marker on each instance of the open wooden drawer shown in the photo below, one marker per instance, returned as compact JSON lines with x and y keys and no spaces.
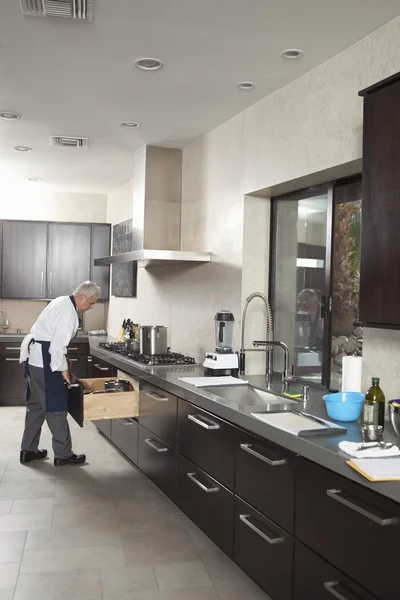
{"x":101,"y":405}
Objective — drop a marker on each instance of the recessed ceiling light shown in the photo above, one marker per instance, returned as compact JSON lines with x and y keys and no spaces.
{"x":22,"y":149}
{"x":34,"y":179}
{"x":292,"y":53}
{"x":149,"y":64}
{"x":129,"y":124}
{"x":9,"y":116}
{"x":246,"y":85}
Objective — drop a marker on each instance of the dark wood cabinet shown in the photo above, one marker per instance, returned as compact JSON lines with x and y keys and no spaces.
{"x":158,"y":461}
{"x":79,"y":365}
{"x":68,"y":258}
{"x":101,"y":246}
{"x":24,"y":259}
{"x":207,"y":503}
{"x":158,"y":412}
{"x":264,"y":551}
{"x":100,"y":368}
{"x":315,"y":578}
{"x":380,"y":240}
{"x":346,"y":523}
{"x":12,"y":381}
{"x":125,"y":435}
{"x":104,"y":426}
{"x":264,"y":477}
{"x":1,"y":259}
{"x":208,"y":441}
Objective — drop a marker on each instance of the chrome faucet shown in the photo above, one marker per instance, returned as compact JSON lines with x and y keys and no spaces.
{"x":286,"y":378}
{"x":269,"y":335}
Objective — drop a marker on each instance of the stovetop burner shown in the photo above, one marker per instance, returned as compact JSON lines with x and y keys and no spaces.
{"x":150,"y":360}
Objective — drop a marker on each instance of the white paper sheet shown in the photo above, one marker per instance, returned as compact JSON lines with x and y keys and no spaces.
{"x":212,"y":381}
{"x":292,"y":423}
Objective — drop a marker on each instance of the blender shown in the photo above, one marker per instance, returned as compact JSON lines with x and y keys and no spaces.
{"x":223,"y":361}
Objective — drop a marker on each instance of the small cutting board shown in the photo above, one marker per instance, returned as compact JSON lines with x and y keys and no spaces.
{"x":299,"y":425}
{"x":212,"y":381}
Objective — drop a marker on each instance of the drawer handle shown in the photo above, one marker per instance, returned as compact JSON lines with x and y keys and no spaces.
{"x":73,"y":359}
{"x":102,"y":368}
{"x":126,"y":421}
{"x":156,"y":397}
{"x":273,"y":463}
{"x":197,"y":419}
{"x":275,"y":540}
{"x":12,"y":359}
{"x":14,"y":348}
{"x":338,"y":495}
{"x":73,"y":349}
{"x":151,"y":443}
{"x":74,"y":385}
{"x":208,"y":490}
{"x":330,"y":587}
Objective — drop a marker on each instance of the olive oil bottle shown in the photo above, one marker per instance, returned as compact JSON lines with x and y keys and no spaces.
{"x":374,"y":406}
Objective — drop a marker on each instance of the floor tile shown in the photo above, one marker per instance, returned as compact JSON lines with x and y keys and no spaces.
{"x":11,"y":546}
{"x":8,"y":575}
{"x":158,"y":547}
{"x":186,"y":575}
{"x":72,"y":559}
{"x":71,"y":585}
{"x":5,"y":506}
{"x":99,"y":513}
{"x":26,"y":473}
{"x":205,"y":593}
{"x":96,"y":535}
{"x":32,"y":505}
{"x":50,"y":538}
{"x":118,"y":582}
{"x":24,"y":522}
{"x":27,"y":489}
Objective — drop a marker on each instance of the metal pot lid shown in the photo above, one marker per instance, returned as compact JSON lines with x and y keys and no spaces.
{"x":224,"y":315}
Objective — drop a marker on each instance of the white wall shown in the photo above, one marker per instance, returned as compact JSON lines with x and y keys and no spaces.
{"x":32,"y":202}
{"x":311,"y":125}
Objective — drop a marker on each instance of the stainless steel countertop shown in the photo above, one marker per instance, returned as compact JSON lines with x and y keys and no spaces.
{"x":322,"y":450}
{"x":16,"y":337}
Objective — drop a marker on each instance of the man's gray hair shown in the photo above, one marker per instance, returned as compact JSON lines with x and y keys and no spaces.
{"x":88,"y":289}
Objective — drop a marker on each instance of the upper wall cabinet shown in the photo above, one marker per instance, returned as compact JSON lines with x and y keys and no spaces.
{"x":380,"y":244}
{"x":68,"y":258}
{"x":46,"y":260}
{"x":101,"y":238}
{"x":24,"y":259}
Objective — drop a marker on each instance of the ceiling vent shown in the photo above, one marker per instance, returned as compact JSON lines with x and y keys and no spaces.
{"x":68,"y":141}
{"x":79,"y":10}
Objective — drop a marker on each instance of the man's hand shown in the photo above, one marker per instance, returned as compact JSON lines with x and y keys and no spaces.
{"x":66,"y":377}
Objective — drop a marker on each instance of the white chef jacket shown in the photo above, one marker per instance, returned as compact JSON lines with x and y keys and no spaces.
{"x":58,"y":323}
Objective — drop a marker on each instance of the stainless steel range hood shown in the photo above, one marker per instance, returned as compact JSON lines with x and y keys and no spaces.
{"x":156,"y":212}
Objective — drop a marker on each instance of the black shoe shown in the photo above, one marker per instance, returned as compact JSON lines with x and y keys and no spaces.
{"x":27,"y":456}
{"x":74,"y":459}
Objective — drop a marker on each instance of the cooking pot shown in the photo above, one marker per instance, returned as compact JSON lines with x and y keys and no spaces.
{"x":153,"y":339}
{"x":117,"y":385}
{"x":132,"y":345}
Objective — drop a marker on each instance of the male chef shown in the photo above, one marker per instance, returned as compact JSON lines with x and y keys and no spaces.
{"x":44,"y":352}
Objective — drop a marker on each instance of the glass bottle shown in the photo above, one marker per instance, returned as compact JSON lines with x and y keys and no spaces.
{"x":374,"y":405}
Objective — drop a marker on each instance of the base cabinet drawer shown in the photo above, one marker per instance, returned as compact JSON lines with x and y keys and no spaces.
{"x":79,"y":365}
{"x":158,"y":412}
{"x":265,"y":475}
{"x":104,"y":426}
{"x":207,"y":503}
{"x":207,"y":441}
{"x":158,"y":461}
{"x":264,"y":551}
{"x":315,"y":578}
{"x":347,"y":524}
{"x":12,"y":382}
{"x":124,"y":434}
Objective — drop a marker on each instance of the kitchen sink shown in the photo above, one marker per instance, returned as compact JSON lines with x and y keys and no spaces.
{"x":248,"y":399}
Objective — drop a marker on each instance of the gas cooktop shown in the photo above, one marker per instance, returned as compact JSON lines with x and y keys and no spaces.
{"x":149,"y":360}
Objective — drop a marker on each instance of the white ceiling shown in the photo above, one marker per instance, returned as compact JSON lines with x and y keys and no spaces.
{"x":74,"y":78}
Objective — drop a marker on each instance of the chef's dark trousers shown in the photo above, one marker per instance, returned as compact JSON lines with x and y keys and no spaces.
{"x":36,"y":414}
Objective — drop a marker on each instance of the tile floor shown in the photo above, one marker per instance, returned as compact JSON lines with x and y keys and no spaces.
{"x":100,"y":532}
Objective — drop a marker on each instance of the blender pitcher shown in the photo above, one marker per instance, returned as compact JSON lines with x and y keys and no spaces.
{"x":224,"y":321}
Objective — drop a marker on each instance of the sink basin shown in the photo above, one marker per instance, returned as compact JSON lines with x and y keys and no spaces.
{"x":248,"y":399}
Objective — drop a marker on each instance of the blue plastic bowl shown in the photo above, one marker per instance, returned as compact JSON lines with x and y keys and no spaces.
{"x":344,"y":406}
